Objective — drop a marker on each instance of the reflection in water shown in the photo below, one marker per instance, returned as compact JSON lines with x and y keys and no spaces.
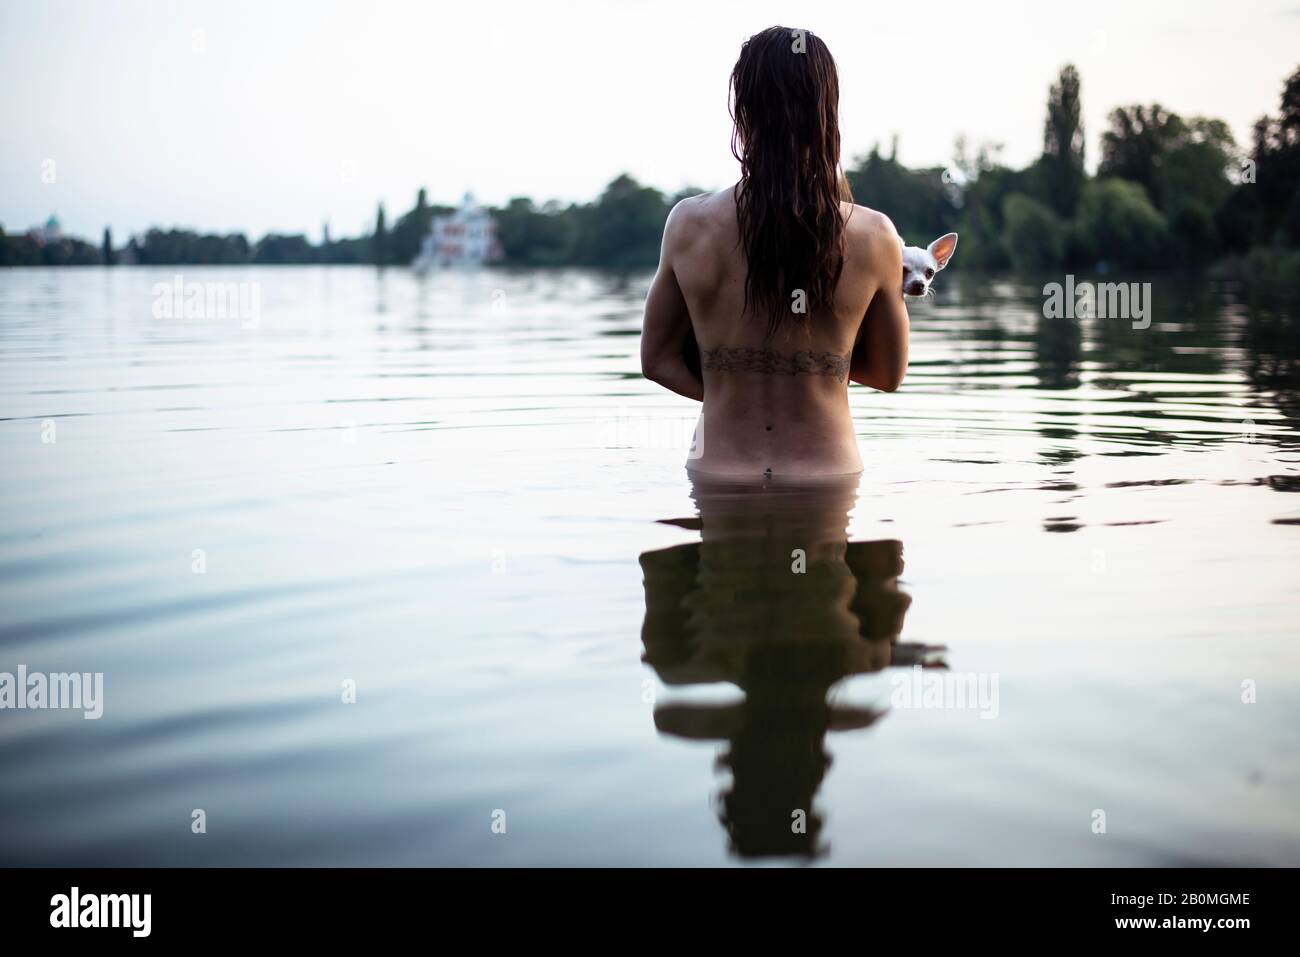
{"x":1271,"y":344}
{"x":1058,"y":349}
{"x":775,"y":600}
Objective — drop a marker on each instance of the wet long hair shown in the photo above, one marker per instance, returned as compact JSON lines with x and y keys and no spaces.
{"x":785,"y":96}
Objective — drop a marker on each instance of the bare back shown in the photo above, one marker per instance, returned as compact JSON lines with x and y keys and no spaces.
{"x":775,"y":405}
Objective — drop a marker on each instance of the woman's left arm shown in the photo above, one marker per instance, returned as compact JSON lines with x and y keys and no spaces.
{"x":667,"y":325}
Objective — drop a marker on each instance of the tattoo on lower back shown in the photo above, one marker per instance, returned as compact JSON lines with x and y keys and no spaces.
{"x":804,"y":362}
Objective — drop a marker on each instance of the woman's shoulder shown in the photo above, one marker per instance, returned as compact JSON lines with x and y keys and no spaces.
{"x":704,"y":205}
{"x":694,"y":218}
{"x":867,"y":223}
{"x":871,"y":241}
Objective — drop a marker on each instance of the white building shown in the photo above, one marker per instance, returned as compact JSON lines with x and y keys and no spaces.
{"x":467,"y":237}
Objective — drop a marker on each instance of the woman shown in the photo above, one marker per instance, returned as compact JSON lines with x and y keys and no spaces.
{"x":789,"y":291}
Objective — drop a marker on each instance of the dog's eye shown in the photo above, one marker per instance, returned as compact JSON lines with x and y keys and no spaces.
{"x":929,"y":274}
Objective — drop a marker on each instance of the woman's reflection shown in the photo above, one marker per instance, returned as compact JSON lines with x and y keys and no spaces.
{"x":775,"y":600}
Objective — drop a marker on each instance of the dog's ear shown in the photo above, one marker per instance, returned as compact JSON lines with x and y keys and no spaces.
{"x":942,"y":248}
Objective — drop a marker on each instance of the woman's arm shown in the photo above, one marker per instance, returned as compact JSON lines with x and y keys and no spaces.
{"x":880,"y":353}
{"x":667,"y":327}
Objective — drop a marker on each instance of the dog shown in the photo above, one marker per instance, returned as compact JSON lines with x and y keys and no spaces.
{"x":920,"y":266}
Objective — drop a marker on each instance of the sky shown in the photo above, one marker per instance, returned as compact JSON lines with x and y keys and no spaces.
{"x":280,"y":116}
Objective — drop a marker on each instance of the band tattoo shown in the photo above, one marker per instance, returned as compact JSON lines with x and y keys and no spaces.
{"x":804,"y":362}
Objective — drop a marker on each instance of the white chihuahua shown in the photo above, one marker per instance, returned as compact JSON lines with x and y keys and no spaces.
{"x":921,"y":265}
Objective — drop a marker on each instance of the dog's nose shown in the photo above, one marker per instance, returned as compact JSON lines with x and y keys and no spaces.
{"x":916,"y":289}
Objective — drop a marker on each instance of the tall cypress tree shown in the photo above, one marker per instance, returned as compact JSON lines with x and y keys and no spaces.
{"x":107,"y":249}
{"x":379,"y":249}
{"x":1063,"y":143}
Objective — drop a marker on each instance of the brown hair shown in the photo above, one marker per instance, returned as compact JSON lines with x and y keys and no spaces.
{"x":785,"y":95}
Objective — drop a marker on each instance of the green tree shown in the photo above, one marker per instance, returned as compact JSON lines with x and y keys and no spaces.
{"x":1176,"y":161}
{"x":1062,"y":162}
{"x":1117,"y":224}
{"x":1276,"y":155}
{"x":623,"y":228}
{"x":106,"y":248}
{"x":985,"y":185}
{"x":535,"y":237}
{"x":409,"y":231}
{"x":1136,"y":143}
{"x":1193,"y":239}
{"x":1033,"y":235}
{"x":276,"y":249}
{"x":920,"y":203}
{"x":1197,"y":165}
{"x":183,"y":246}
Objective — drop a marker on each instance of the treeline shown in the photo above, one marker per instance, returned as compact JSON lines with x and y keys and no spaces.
{"x":168,"y":247}
{"x":620,"y":230}
{"x":1170,"y":192}
{"x":23,"y":250}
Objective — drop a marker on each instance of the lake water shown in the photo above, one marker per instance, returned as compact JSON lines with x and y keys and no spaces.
{"x":406,"y":571}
